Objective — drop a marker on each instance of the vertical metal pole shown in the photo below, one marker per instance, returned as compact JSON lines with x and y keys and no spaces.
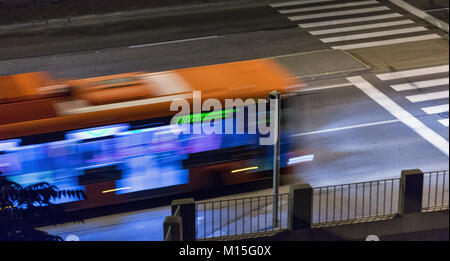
{"x":228,"y":218}
{"x":437,"y":188}
{"x":235,"y":217}
{"x":265,"y":215}
{"x":258,"y":213}
{"x":251,"y":214}
{"x":276,"y":156}
{"x":443,"y":190}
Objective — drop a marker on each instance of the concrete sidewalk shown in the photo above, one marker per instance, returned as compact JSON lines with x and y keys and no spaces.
{"x":404,"y":56}
{"x":323,"y":64}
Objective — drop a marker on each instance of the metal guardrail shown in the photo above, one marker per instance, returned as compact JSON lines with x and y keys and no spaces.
{"x":241,"y":217}
{"x":435,"y":195}
{"x":330,"y":205}
{"x":355,"y":202}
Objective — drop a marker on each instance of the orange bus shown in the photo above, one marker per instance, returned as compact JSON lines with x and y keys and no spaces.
{"x":110,"y":136}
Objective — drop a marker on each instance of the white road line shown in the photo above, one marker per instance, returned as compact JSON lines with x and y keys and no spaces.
{"x":175,"y":41}
{"x":444,"y":122}
{"x":345,"y":128}
{"x":372,"y":35}
{"x":428,"y":96}
{"x":409,"y":120}
{"x":283,"y":4}
{"x":417,"y":12}
{"x":438,"y":9}
{"x":421,"y":84}
{"x":360,"y":27}
{"x":436,"y":109}
{"x":412,"y":73}
{"x":323,"y":87}
{"x":350,"y":20}
{"x":387,"y":42}
{"x":301,"y":159}
{"x":338,"y":13}
{"x":323,"y":7}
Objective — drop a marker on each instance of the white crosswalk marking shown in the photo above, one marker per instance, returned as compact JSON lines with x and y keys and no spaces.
{"x":420,"y":84}
{"x":444,"y":122}
{"x":360,"y":27}
{"x":372,"y":35}
{"x":413,"y":73}
{"x":397,"y":111}
{"x":373,"y":20}
{"x":350,"y":20}
{"x":338,"y":13}
{"x":323,"y":7}
{"x":436,"y":109}
{"x":427,"y":96}
{"x":304,"y":2}
{"x":374,"y":25}
{"x":422,"y":14}
{"x":387,"y":42}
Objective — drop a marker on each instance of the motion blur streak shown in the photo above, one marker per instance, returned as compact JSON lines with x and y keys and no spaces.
{"x":112,"y":190}
{"x":301,"y":159}
{"x":111,"y":135}
{"x":244,"y":169}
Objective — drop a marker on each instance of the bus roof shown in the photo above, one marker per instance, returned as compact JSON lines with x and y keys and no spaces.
{"x":21,"y":86}
{"x":135,"y":96}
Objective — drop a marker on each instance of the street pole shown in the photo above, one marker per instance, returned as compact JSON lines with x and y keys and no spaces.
{"x":276,"y":155}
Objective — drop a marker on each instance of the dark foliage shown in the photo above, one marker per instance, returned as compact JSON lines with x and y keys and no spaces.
{"x":23,"y":209}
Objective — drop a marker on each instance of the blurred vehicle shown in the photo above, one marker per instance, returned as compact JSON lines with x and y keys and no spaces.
{"x":111,"y":136}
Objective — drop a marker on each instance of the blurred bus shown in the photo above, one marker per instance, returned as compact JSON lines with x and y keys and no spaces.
{"x":110,"y":136}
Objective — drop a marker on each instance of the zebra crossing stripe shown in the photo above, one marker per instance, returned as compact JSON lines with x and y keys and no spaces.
{"x":323,"y":7}
{"x":338,"y":13}
{"x":360,"y":27}
{"x":424,"y":15}
{"x":444,"y":122}
{"x":372,"y":35}
{"x":350,"y":20}
{"x":427,"y":96}
{"x":397,"y":111}
{"x":305,"y":2}
{"x":419,"y":85}
{"x":412,"y":73}
{"x":435,"y":109}
{"x":387,"y":42}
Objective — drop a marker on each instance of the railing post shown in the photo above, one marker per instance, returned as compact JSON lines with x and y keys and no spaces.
{"x":411,"y":190}
{"x":187,"y":214}
{"x":301,"y":206}
{"x":276,"y":155}
{"x":173,"y":228}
